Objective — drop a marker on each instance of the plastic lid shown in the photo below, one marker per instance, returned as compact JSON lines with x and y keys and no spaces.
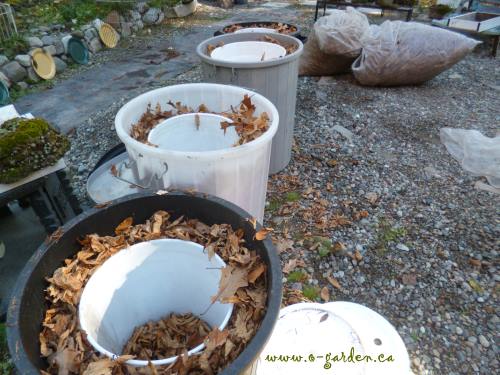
{"x":339,"y":337}
{"x":108,"y":35}
{"x":4,"y":93}
{"x":255,"y":30}
{"x":103,"y":187}
{"x":78,"y":52}
{"x":43,"y":64}
{"x":248,"y":52}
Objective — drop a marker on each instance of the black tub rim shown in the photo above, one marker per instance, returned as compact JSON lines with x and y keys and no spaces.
{"x":232,"y":37}
{"x":19,"y":356}
{"x":296,"y":33}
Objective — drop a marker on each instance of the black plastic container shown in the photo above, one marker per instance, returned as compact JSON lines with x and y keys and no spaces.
{"x":27,"y":307}
{"x":295,"y":34}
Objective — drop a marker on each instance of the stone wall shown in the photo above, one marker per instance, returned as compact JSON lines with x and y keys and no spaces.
{"x":19,"y":70}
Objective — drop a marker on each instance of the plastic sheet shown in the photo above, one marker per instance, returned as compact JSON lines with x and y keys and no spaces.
{"x":476,"y":153}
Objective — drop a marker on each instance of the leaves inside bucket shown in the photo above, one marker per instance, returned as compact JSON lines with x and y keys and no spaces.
{"x":281,"y":28}
{"x":65,"y":346}
{"x":248,"y":125}
{"x":167,"y":337}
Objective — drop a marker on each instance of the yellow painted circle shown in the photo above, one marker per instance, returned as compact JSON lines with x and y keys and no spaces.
{"x":43,"y":64}
{"x":108,"y":35}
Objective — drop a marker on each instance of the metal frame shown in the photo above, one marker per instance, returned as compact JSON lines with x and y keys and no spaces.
{"x":406,"y":9}
{"x":8,"y":26}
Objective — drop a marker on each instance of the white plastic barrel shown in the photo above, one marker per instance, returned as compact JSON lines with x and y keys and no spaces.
{"x":275,"y":78}
{"x":147,"y":282}
{"x":237,"y":174}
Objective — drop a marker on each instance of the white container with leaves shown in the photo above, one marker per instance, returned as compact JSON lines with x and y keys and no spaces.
{"x":274,"y":76}
{"x":192,"y":151}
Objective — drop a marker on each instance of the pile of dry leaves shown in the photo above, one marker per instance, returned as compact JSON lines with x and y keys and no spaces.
{"x":281,"y":28}
{"x":243,"y":283}
{"x":248,"y":125}
{"x":167,"y":337}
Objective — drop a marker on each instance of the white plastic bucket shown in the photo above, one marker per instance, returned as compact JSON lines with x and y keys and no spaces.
{"x":248,"y":52}
{"x":193,"y":132}
{"x":319,"y":332}
{"x":255,"y":30}
{"x":237,"y":174}
{"x":147,"y":282}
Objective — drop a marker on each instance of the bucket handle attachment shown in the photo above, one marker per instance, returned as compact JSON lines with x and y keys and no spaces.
{"x":154,"y":180}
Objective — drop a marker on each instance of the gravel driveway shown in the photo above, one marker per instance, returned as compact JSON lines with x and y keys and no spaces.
{"x":381,"y":215}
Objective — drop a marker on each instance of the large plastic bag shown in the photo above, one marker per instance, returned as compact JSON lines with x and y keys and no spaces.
{"x":402,"y":53}
{"x":334,"y":43}
{"x":476,"y":153}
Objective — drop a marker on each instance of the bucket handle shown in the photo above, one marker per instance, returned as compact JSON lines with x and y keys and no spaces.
{"x":153,"y":182}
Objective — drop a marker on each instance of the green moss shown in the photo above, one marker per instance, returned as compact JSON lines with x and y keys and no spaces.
{"x":311,"y":292}
{"x":297,"y":276}
{"x":28,"y":145}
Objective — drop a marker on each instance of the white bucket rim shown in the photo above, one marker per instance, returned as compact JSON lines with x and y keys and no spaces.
{"x":246,"y":147}
{"x":157,"y":362}
{"x":256,"y":30}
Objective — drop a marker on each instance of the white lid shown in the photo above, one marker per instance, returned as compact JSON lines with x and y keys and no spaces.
{"x":248,"y":52}
{"x":255,"y":30}
{"x":338,"y":337}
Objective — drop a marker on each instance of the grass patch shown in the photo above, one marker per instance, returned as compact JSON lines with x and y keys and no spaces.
{"x":292,"y":196}
{"x":276,"y":202}
{"x":311,"y":292}
{"x":15,"y":92}
{"x":13,"y":46}
{"x":297,"y":276}
{"x":274,"y":205}
{"x":6,"y":367}
{"x":323,"y":245}
{"x":386,"y":234}
{"x":66,"y":12}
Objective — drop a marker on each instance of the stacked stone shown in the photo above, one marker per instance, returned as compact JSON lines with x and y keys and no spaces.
{"x":19,"y":71}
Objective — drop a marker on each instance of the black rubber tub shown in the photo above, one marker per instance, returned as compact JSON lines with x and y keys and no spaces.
{"x":295,"y":34}
{"x":27,"y":306}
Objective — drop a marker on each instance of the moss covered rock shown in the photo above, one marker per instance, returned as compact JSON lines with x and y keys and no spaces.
{"x":28,"y":145}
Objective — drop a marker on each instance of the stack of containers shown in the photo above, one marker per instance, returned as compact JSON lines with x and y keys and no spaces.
{"x":274,"y":78}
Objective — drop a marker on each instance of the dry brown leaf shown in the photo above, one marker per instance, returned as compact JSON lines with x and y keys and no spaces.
{"x":290,"y":266}
{"x":332,"y":280}
{"x":216,"y":338}
{"x":124,"y":225}
{"x":55,"y":236}
{"x":358,"y":256}
{"x":101,"y":367}
{"x":409,"y":279}
{"x":114,"y":170}
{"x":253,"y":221}
{"x":284,"y":245}
{"x":262,"y":234}
{"x":325,"y":294}
{"x":256,"y":272}
{"x":232,"y":279}
{"x":66,"y":361}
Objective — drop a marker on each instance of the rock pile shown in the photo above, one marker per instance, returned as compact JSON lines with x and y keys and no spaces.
{"x":19,"y":70}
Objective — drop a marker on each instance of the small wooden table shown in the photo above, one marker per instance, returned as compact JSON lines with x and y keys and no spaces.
{"x":405,"y":9}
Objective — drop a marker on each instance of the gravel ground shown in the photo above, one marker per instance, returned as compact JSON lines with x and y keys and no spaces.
{"x":383,"y":217}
